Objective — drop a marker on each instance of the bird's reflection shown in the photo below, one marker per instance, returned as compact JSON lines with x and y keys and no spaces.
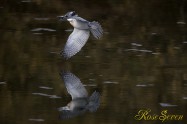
{"x":81,"y":102}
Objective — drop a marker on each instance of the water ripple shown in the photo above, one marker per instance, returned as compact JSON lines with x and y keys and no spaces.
{"x":43,"y":29}
{"x":167,"y":105}
{"x":3,"y":82}
{"x":110,"y":82}
{"x":145,"y":85}
{"x":47,"y":88}
{"x":136,"y":44}
{"x":184,"y":97}
{"x":47,"y":95}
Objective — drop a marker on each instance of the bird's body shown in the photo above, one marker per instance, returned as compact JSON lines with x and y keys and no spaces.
{"x":79,"y":23}
{"x":78,"y":103}
{"x":81,"y":102}
{"x":80,"y":34}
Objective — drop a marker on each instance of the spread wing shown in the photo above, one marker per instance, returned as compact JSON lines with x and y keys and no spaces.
{"x":74,"y":86}
{"x":94,"y":101}
{"x":96,"y":29}
{"x":75,"y":42}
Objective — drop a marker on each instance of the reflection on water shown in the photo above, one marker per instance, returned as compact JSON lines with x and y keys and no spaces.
{"x":81,"y":102}
{"x":140,"y":62}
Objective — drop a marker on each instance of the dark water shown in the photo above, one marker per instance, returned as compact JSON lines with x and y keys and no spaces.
{"x":140,"y":63}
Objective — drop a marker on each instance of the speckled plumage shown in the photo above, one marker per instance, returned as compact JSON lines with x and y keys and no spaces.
{"x":80,"y":34}
{"x":81,"y":102}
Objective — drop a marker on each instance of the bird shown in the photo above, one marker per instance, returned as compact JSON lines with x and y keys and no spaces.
{"x":81,"y":32}
{"x":80,"y":102}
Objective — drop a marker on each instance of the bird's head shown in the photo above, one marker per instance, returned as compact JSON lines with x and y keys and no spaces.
{"x":67,"y":16}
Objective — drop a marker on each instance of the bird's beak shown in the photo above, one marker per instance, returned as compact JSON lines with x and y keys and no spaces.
{"x":61,"y":18}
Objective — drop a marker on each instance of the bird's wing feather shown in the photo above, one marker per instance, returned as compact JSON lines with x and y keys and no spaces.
{"x":75,"y":42}
{"x":94,"y":101}
{"x":74,"y":86}
{"x":66,"y":114}
{"x":80,"y":19}
{"x":96,"y":29}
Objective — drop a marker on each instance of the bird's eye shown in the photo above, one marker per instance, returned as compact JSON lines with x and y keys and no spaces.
{"x":66,"y":16}
{"x":73,"y":13}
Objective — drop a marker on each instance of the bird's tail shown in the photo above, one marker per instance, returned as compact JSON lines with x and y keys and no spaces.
{"x":94,"y":101}
{"x":96,"y":29}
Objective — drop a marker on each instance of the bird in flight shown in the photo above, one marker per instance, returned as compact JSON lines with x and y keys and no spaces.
{"x":81,"y":102}
{"x":80,"y":34}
